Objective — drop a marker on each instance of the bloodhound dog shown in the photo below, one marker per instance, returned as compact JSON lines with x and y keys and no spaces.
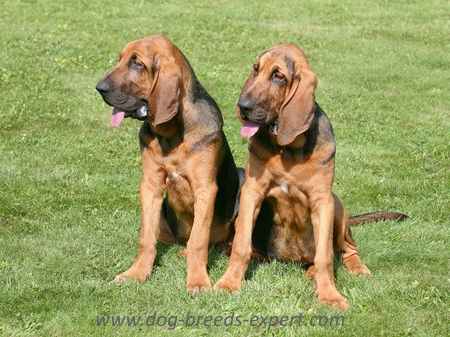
{"x":190,"y":184}
{"x":287,"y":207}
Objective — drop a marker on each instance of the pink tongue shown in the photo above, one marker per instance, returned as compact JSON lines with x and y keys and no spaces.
{"x":249,"y":129}
{"x":117,"y":118}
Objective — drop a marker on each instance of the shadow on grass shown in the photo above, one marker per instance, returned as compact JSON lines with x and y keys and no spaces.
{"x":219,"y":251}
{"x":162,"y":249}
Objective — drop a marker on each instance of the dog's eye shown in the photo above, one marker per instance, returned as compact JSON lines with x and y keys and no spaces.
{"x":136,"y":63}
{"x":278,"y":77}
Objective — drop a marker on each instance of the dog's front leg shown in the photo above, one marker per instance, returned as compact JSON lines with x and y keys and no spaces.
{"x":197,"y":246}
{"x":151,"y":195}
{"x":322,"y":216}
{"x":252,"y":195}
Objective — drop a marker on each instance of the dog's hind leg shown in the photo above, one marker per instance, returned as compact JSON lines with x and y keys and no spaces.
{"x":344,"y":243}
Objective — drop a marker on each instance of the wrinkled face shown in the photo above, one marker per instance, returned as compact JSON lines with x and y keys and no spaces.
{"x":127,"y":86}
{"x":266,"y":88}
{"x":278,"y":95}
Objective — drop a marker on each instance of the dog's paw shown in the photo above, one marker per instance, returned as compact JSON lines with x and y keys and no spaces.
{"x":355,"y":266}
{"x":360,"y":270}
{"x":131,"y":275}
{"x":311,"y":272}
{"x":228,"y":285}
{"x":183,"y":253}
{"x":196,"y":286}
{"x":197,"y":289}
{"x":334,"y":299}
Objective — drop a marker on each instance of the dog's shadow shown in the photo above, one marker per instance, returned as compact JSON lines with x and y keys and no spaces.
{"x":218,"y":253}
{"x":162,"y":249}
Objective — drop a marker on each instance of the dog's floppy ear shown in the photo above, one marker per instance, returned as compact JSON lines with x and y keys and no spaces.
{"x":297,"y":111}
{"x":165,"y":91}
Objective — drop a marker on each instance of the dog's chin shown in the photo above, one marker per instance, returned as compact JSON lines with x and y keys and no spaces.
{"x":250,"y":127}
{"x":138,"y":113}
{"x":118,"y":114}
{"x":126,"y":106}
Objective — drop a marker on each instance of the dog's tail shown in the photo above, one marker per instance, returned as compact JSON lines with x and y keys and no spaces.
{"x":360,"y":219}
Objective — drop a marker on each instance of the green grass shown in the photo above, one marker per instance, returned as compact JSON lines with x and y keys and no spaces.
{"x":69,"y":210}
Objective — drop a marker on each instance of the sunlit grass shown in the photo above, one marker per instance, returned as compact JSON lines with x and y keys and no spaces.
{"x":69,"y":210}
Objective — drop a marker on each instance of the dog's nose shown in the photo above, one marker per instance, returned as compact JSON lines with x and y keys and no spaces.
{"x":245,"y":107}
{"x":103,"y":86}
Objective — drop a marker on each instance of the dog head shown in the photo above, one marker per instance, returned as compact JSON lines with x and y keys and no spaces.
{"x":145,"y":83}
{"x":278,"y":94}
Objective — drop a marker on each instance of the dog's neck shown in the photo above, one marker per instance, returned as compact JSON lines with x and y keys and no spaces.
{"x":302,"y":145}
{"x":298,"y":143}
{"x":169,"y":134}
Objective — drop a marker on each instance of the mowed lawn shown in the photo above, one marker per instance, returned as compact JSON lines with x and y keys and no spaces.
{"x":69,"y":209}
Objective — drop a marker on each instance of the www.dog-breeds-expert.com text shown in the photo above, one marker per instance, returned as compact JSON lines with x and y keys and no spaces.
{"x":172,"y":321}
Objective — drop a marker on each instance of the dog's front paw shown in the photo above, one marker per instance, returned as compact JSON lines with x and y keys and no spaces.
{"x":355,"y":266}
{"x":333,"y":298}
{"x":132,"y":274}
{"x":311,"y":272}
{"x":228,"y":284}
{"x":360,"y":270}
{"x":196,"y":285}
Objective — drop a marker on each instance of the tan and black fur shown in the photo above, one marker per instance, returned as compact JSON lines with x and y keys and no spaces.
{"x":190,"y":183}
{"x":287,"y":208}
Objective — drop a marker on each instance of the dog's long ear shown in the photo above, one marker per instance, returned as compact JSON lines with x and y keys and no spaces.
{"x":165,"y":91}
{"x":297,"y":111}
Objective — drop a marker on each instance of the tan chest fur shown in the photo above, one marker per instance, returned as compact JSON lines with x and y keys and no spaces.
{"x":180,"y":194}
{"x":292,"y":179}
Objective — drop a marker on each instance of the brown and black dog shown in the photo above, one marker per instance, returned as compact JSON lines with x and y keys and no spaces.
{"x":190,"y":184}
{"x":287,"y":201}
